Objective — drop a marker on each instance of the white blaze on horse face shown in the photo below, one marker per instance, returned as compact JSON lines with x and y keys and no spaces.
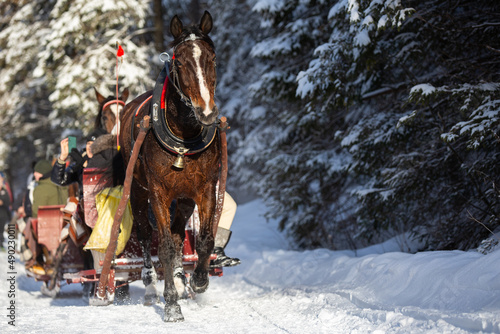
{"x":205,"y":94}
{"x":116,"y":109}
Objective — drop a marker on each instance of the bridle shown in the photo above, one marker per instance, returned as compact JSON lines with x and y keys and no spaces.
{"x":174,"y":75}
{"x":159,"y":124}
{"x":117,"y":116}
{"x":107,"y":104}
{"x":176,"y":84}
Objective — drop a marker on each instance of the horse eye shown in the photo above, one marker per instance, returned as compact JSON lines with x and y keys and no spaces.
{"x":178,"y":63}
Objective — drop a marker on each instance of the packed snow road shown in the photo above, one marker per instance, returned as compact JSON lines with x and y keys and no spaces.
{"x":276,"y":290}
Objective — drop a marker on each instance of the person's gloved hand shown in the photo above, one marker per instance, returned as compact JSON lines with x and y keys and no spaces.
{"x":77,"y":157}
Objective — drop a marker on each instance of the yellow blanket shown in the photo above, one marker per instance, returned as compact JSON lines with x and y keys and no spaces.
{"x":107,"y":202}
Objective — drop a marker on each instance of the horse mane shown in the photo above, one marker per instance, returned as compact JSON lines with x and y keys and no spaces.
{"x":187,"y":31}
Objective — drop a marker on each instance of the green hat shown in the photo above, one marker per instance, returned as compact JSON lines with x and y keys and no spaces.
{"x":43,"y":167}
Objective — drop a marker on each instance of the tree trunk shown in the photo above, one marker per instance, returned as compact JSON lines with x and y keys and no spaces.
{"x":159,"y":25}
{"x":194,"y":11}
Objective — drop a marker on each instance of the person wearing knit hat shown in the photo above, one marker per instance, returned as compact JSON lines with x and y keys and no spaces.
{"x":46,"y":192}
{"x":42,"y":169}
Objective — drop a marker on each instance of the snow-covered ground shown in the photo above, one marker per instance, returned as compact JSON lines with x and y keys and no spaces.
{"x":277,"y":290}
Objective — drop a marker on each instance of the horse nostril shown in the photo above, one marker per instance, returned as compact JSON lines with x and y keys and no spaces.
{"x":206,"y":118}
{"x":198,"y":111}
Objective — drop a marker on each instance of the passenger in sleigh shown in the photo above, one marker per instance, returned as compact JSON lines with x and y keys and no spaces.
{"x":100,"y":150}
{"x":224,"y":234}
{"x":68,"y":169}
{"x":44,"y":193}
{"x":100,"y":153}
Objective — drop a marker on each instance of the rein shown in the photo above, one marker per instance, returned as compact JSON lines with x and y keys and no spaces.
{"x":177,"y":85}
{"x":175,"y":74}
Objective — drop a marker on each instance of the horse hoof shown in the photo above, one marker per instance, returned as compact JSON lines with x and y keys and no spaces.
{"x":200,"y":285}
{"x":50,"y":293}
{"x":173,"y":313}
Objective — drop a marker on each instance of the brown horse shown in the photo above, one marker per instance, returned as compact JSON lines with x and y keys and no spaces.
{"x":184,"y":115}
{"x":109,"y":109}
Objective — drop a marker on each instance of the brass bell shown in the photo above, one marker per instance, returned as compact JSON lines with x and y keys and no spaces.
{"x":179,"y":162}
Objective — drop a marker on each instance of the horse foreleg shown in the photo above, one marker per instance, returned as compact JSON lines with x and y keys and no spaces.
{"x":204,"y":242}
{"x":184,"y":209}
{"x":166,"y":253}
{"x":144,"y":235}
{"x":148,"y":275}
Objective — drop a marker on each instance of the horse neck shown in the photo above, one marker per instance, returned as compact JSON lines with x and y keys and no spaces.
{"x":181,"y":119}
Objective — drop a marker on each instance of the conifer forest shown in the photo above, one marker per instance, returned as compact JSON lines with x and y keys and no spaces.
{"x":354,"y":120}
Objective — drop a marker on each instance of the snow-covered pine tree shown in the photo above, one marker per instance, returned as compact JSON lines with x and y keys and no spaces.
{"x":53,"y":52}
{"x":453,"y":111}
{"x":235,"y":33}
{"x":302,"y":169}
{"x":418,"y":181}
{"x":384,"y":118}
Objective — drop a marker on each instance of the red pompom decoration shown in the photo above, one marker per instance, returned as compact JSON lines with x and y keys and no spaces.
{"x":120,"y":51}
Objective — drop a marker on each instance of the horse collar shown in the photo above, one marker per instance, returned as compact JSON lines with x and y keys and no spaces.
{"x":162,"y":131}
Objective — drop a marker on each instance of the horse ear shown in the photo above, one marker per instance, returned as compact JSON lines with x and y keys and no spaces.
{"x":206,"y":23}
{"x":99,"y":97}
{"x":124,"y":96}
{"x":176,"y":26}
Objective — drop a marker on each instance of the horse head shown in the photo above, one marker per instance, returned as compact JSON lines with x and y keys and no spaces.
{"x":109,"y":109}
{"x":193,"y":67}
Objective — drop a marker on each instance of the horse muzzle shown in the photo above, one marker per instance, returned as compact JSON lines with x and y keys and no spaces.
{"x":206,"y":118}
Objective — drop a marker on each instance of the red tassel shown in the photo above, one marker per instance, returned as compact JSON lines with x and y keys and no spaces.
{"x":120,"y":51}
